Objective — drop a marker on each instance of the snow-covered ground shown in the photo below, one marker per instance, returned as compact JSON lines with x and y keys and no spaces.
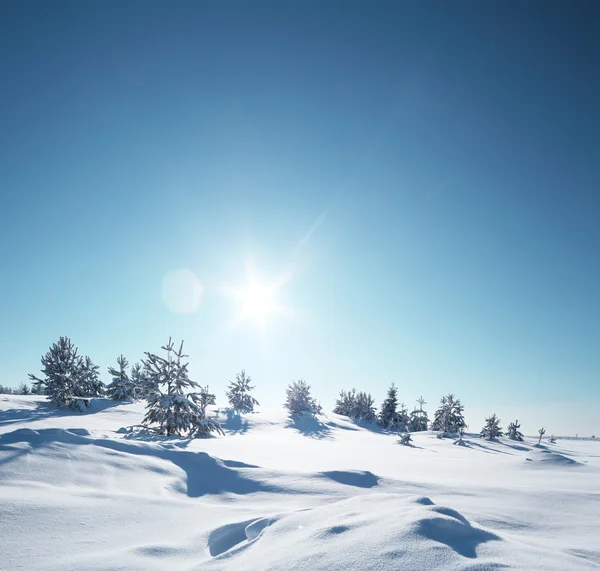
{"x":80,"y":492}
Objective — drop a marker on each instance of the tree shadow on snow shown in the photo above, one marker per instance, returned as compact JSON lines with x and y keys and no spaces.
{"x":308,"y":425}
{"x":47,"y":409}
{"x":233,"y":422}
{"x":519,"y":447}
{"x":204,"y":473}
{"x":371,"y":427}
{"x":483,"y":447}
{"x":354,"y":478}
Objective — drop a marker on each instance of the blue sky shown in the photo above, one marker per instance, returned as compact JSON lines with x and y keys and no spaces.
{"x":420,"y":180}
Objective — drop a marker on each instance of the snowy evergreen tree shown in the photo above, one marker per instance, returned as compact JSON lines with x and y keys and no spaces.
{"x":387,"y":414}
{"x":513,"y":431}
{"x":418,"y":417}
{"x":90,"y":384}
{"x":344,"y":404}
{"x":356,"y":405}
{"x":142,"y":387}
{"x":405,"y":439}
{"x":174,"y":411}
{"x":541,"y":432}
{"x":66,"y":376}
{"x":204,"y":397}
{"x":121,"y":387}
{"x":449,"y":417}
{"x":492,"y":428}
{"x":238,"y":393}
{"x":298,"y":399}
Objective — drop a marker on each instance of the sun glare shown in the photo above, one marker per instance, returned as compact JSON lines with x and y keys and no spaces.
{"x":258,"y":300}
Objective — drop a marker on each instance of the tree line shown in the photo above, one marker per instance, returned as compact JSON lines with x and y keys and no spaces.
{"x":175,"y":404}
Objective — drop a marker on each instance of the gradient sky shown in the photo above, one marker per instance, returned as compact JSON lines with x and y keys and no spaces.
{"x":421,"y":178}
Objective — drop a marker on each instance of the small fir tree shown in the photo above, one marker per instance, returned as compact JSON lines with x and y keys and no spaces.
{"x":405,"y":439}
{"x":66,"y":376}
{"x":492,"y":428}
{"x":174,"y":411}
{"x":299,"y":400}
{"x":356,"y":405}
{"x":90,"y":385}
{"x":449,"y":418}
{"x":238,"y":393}
{"x":387,"y":414}
{"x":142,"y":388}
{"x":541,"y":432}
{"x":121,"y":387}
{"x":418,"y":421}
{"x":513,"y":431}
{"x":204,"y":397}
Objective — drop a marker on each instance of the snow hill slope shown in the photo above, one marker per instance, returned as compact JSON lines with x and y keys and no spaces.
{"x":84,"y":492}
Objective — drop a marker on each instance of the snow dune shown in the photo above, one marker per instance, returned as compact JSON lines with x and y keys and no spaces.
{"x":83,"y":492}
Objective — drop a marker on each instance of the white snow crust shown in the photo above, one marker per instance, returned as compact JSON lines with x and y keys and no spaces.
{"x":89,"y":492}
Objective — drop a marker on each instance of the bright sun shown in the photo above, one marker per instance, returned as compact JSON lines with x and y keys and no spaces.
{"x":257,"y":301}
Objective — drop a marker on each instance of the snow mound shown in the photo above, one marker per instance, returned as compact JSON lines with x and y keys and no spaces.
{"x":542,"y":456}
{"x":375,"y":532}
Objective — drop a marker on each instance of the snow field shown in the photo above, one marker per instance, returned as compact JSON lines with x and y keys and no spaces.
{"x":80,"y":491}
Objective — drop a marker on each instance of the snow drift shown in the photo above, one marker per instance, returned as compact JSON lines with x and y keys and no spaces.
{"x":83,"y":492}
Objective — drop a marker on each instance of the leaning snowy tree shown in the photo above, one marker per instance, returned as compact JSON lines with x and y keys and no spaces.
{"x":513,"y":431}
{"x":174,"y":411}
{"x":418,"y":418}
{"x":298,"y":399}
{"x":541,"y":432}
{"x":67,"y":376}
{"x":238,"y":393}
{"x":492,"y":428}
{"x":121,"y":387}
{"x":449,"y":417}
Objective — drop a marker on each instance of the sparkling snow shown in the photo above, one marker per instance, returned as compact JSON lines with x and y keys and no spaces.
{"x":82,"y":492}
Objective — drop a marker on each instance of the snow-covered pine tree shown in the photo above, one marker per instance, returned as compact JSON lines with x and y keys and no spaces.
{"x":298,"y":399}
{"x":168,"y":406}
{"x":365,"y":407}
{"x":449,"y":417}
{"x":405,"y":439}
{"x":492,"y":428}
{"x":419,"y":420}
{"x":402,"y":420}
{"x":90,"y":385}
{"x":513,"y":431}
{"x":121,"y":387}
{"x":238,"y":393}
{"x":541,"y":432}
{"x":142,"y":387}
{"x":356,"y":405}
{"x":204,"y":397}
{"x":63,"y":382}
{"x":387,"y":414}
{"x":344,"y":404}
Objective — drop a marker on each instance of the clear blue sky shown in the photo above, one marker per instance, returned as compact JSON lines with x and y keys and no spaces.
{"x":425,"y":175}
